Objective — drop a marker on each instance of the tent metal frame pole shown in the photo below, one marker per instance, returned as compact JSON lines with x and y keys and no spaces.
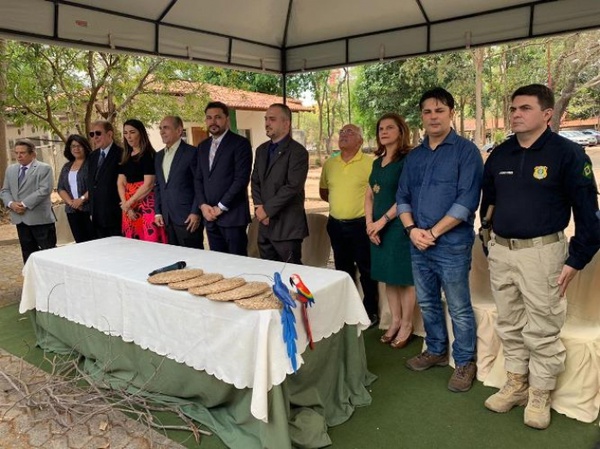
{"x":284,"y":51}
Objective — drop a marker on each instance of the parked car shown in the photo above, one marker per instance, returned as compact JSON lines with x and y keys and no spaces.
{"x":592,"y":132}
{"x":578,"y":137}
{"x":591,"y":139}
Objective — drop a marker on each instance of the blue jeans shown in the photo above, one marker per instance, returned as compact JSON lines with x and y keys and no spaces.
{"x":446,"y":267}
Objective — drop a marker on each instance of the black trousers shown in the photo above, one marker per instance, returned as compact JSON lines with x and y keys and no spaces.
{"x":232,"y":240}
{"x":35,"y":237}
{"x":81,"y":226}
{"x":179,"y":235}
{"x":287,"y":251}
{"x":352,"y":250}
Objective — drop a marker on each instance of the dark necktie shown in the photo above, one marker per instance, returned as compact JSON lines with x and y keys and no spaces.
{"x":100,"y":161}
{"x":272,"y":150}
{"x":22,"y":175}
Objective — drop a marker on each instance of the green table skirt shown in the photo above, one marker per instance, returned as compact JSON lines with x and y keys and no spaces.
{"x":324,"y":392}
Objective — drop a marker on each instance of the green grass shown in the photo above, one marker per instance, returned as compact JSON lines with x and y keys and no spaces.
{"x":409,"y":409}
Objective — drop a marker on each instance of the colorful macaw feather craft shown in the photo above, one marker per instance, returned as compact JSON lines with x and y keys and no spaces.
{"x":288,"y":321}
{"x":306,"y":298}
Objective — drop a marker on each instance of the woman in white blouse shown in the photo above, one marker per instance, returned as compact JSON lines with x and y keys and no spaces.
{"x":73,"y":189}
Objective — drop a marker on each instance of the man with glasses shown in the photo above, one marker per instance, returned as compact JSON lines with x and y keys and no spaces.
{"x":26,"y":192}
{"x":344,"y":181}
{"x":102,"y":180}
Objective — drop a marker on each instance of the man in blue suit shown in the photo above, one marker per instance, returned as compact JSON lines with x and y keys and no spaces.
{"x":176,"y":205}
{"x":222,"y":178}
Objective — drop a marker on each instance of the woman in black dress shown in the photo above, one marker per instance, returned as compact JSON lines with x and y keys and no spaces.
{"x":136,"y":184}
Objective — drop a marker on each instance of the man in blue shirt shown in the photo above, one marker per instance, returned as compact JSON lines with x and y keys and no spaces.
{"x":438,"y":194}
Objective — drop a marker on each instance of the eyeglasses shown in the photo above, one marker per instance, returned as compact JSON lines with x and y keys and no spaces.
{"x":95,"y":133}
{"x":347,"y":131}
{"x":76,"y":147}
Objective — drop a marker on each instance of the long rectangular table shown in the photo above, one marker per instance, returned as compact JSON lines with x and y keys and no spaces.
{"x":86,"y":294}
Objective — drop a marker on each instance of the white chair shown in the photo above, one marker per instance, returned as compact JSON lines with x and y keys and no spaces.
{"x":316,"y":248}
{"x":577,"y":394}
{"x":63,"y":230}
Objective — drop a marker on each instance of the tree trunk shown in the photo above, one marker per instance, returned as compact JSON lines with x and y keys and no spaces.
{"x":561,"y":105}
{"x":3,"y":147}
{"x":320,"y":139}
{"x":478,"y":55}
{"x":416,"y":136}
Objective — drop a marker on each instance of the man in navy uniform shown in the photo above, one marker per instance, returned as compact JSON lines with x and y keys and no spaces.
{"x":533,"y":181}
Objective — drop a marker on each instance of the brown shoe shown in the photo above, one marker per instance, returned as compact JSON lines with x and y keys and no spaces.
{"x":462,"y":378}
{"x":399,"y":342}
{"x":426,"y":360}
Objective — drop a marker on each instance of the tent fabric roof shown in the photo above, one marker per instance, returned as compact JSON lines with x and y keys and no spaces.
{"x":288,"y":36}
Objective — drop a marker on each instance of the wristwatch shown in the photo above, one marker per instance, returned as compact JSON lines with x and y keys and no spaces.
{"x":409,"y":228}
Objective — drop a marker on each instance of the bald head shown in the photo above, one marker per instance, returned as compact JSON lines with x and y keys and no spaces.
{"x":351,"y":139}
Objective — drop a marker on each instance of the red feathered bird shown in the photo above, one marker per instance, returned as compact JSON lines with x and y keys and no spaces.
{"x":307,"y":299}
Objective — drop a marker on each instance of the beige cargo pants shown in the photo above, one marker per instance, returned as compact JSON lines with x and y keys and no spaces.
{"x":530,"y":311}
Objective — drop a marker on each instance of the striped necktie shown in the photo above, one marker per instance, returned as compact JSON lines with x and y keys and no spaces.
{"x":22,"y":175}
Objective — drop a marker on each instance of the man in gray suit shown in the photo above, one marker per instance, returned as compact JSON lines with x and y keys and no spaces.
{"x":278,"y":180}
{"x":26,"y":192}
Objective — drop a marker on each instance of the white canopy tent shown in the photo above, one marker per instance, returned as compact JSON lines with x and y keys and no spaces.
{"x":290,"y":36}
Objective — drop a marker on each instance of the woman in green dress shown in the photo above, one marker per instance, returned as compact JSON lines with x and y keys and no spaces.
{"x":390,"y":247}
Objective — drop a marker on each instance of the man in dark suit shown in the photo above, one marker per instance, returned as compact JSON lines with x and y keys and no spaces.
{"x":176,"y":204}
{"x":26,"y":192}
{"x":224,"y":166}
{"x":102,"y":181}
{"x":278,"y":180}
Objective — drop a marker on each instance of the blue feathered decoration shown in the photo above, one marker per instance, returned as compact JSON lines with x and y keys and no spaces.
{"x":288,"y":321}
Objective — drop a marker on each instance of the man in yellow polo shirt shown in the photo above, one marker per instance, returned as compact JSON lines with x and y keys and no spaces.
{"x":344,"y":181}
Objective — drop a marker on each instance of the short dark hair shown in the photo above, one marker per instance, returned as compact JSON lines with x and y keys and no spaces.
{"x":287,"y":112}
{"x":26,"y":143}
{"x":87,"y":149}
{"x":217,"y":105}
{"x":440,"y":94}
{"x":106,"y":125}
{"x":543,"y":93}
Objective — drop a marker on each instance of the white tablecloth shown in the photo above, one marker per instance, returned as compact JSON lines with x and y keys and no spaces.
{"x":102,"y":284}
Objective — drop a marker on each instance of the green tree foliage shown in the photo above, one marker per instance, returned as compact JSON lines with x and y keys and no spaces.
{"x":63,"y":90}
{"x":569,"y":64}
{"x":395,"y":87}
{"x":266,"y":83}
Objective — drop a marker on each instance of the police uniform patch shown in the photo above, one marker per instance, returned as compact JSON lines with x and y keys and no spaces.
{"x":540,"y":172}
{"x":587,"y":171}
